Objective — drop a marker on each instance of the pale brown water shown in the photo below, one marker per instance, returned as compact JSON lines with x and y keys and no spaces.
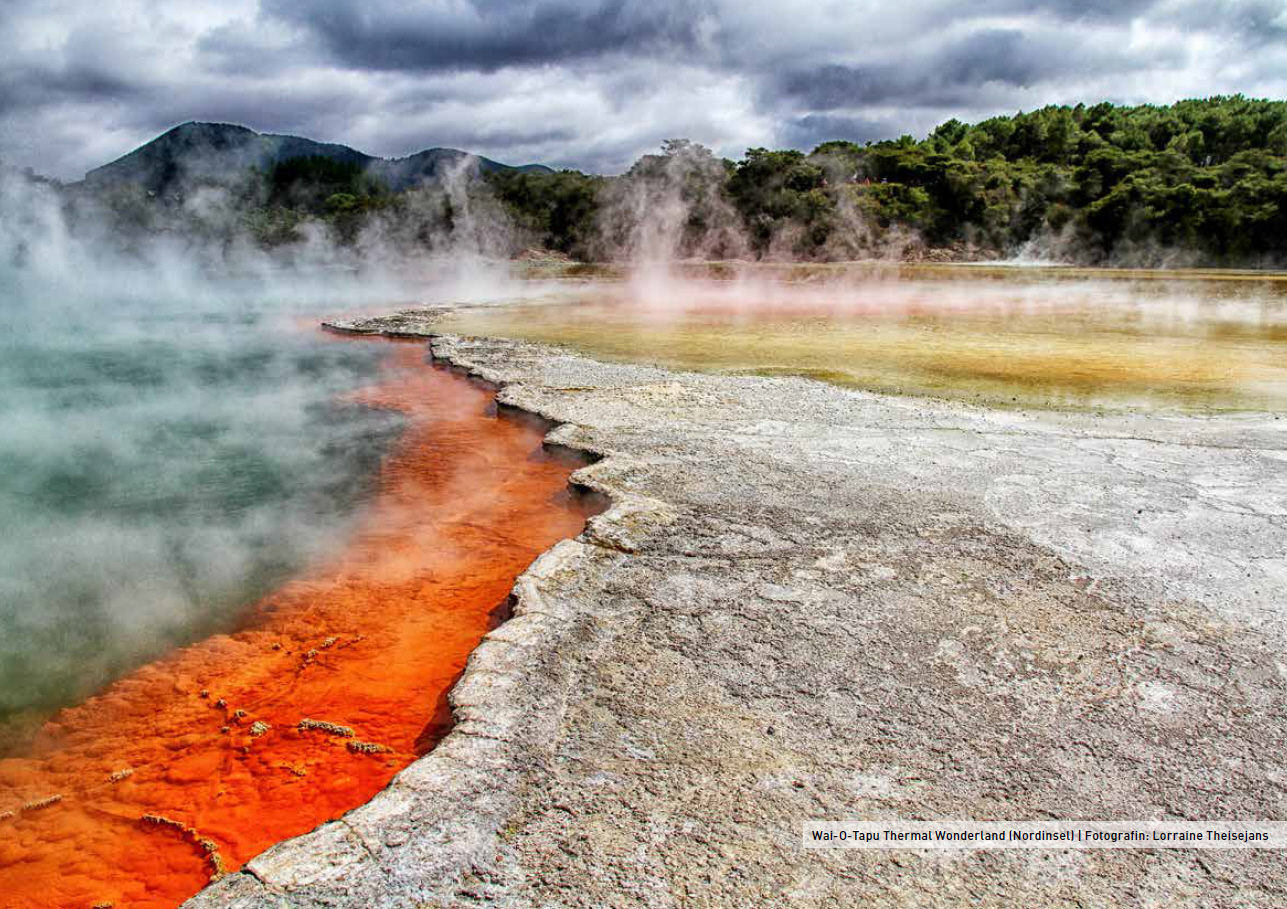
{"x":1044,"y":337}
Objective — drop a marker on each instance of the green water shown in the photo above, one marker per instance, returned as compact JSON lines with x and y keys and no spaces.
{"x":1198,"y":341}
{"x":163,"y":463}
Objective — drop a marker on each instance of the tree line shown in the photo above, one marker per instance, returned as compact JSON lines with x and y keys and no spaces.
{"x":1201,"y":182}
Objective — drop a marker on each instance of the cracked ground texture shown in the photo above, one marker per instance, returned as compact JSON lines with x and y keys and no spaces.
{"x":813,"y":603}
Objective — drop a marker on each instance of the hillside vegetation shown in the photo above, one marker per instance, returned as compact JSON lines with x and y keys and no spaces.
{"x":1200,"y":182}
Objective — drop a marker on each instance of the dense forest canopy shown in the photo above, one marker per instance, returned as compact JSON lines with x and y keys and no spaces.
{"x":1196,"y":182}
{"x":1201,"y":180}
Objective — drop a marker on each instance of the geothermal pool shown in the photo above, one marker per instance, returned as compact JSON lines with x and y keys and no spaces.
{"x":164,"y":460}
{"x":164,"y":472}
{"x":188,"y":767}
{"x":1199,"y":341}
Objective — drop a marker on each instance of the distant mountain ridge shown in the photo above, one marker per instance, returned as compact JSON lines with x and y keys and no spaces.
{"x":220,"y":152}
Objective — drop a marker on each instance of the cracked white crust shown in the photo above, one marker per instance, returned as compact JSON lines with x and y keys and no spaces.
{"x":811,"y":602}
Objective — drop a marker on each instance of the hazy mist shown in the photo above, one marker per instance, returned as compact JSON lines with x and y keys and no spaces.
{"x":173,"y":439}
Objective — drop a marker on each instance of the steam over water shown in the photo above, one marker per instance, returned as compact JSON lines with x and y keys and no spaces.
{"x":164,"y":460}
{"x":1195,"y":341}
{"x":174,"y":447}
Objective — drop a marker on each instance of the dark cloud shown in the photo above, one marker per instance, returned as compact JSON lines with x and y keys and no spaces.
{"x":1112,"y":11}
{"x":811,"y":130}
{"x":22,"y":90}
{"x":595,"y":84}
{"x":1256,"y":23}
{"x":959,"y":71}
{"x":486,"y":34}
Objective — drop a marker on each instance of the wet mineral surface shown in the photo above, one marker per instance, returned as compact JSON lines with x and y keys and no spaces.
{"x":182,"y":771}
{"x":1006,"y":337}
{"x":807,"y":602}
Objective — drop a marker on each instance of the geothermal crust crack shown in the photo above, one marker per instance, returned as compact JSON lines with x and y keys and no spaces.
{"x":813,"y":603}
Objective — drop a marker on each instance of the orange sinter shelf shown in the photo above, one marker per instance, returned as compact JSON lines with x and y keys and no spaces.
{"x":189,"y":767}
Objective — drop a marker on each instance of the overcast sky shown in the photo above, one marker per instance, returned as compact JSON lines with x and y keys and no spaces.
{"x":593,"y":85}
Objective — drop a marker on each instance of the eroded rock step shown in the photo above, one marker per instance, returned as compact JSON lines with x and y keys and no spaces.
{"x":809,"y":603}
{"x":179,"y":773}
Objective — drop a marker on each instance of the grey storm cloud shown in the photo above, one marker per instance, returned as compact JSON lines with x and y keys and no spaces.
{"x":486,"y":34}
{"x":812,"y":130}
{"x":595,"y":84}
{"x":958,"y":71}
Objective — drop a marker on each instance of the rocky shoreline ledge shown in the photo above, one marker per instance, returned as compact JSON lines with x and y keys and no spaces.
{"x":812,"y":603}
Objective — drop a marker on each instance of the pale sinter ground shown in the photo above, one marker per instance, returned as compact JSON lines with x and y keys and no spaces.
{"x":814,"y":603}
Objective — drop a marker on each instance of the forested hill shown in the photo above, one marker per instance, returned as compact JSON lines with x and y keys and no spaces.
{"x":1201,"y":182}
{"x":1197,"y":182}
{"x":1207,"y":176}
{"x":194,"y":154}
